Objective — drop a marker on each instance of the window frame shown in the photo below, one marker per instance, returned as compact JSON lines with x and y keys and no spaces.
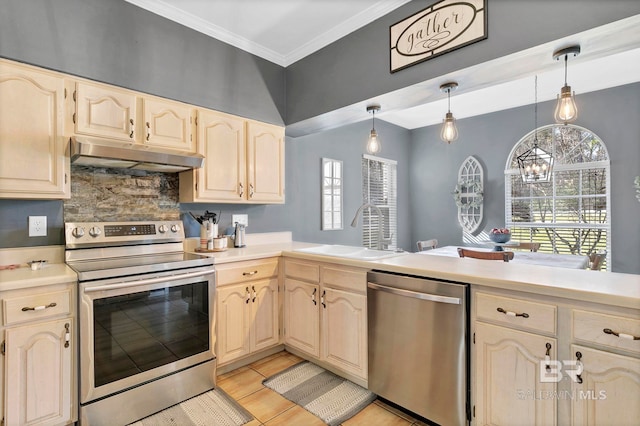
{"x":389,"y":209}
{"x":560,"y":167}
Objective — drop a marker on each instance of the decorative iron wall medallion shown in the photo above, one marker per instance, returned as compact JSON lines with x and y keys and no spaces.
{"x":438,"y":29}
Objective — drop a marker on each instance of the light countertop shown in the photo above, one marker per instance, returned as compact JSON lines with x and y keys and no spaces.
{"x":581,"y":285}
{"x":609,"y":288}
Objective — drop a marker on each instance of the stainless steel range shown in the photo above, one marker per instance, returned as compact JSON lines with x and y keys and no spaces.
{"x":146,"y":318}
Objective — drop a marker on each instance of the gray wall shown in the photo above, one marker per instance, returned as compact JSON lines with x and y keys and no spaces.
{"x":333,"y":77}
{"x":611,"y":114}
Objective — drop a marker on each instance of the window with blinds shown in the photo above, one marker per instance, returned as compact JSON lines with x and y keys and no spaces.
{"x":571,"y":214}
{"x":379,"y":187}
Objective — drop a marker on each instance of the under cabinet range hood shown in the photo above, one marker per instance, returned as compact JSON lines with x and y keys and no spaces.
{"x":93,"y":152}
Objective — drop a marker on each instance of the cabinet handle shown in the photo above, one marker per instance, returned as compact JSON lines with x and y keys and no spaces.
{"x":254,"y":294}
{"x":313,"y":296}
{"x":67,"y":335}
{"x":148,"y":131}
{"x":241,"y":189}
{"x":621,"y":335}
{"x":131,"y":121}
{"x":250,"y":190}
{"x":249,"y":273}
{"x":579,"y":360}
{"x":39,"y":308}
{"x":547,"y":357}
{"x":324,"y":292}
{"x":513,"y":314}
{"x":248,"y":296}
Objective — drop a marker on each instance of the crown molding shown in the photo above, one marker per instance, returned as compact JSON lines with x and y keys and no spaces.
{"x":359,"y":20}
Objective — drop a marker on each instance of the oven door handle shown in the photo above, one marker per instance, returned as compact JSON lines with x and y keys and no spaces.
{"x":147,"y":281}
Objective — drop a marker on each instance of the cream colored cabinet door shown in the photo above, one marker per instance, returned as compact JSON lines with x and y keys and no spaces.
{"x":508,"y":389}
{"x":105,"y":111}
{"x":344,"y":329}
{"x":301,"y":316}
{"x":38,"y":374}
{"x":609,"y":390}
{"x":221,"y":139}
{"x":234,"y":318}
{"x":264,"y":314}
{"x":265,"y":151}
{"x":168,"y":125}
{"x":32,"y":143}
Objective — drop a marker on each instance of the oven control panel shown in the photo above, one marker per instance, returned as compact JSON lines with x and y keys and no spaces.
{"x":92,"y":234}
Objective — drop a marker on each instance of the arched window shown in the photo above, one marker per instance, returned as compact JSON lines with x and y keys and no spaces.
{"x":572,"y":212}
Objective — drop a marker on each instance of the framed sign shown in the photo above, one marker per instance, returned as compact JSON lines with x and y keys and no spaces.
{"x":440,"y":28}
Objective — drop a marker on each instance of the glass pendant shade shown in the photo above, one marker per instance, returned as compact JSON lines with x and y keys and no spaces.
{"x":373,"y":144}
{"x":566,"y":110}
{"x":449,"y":131}
{"x":535,"y":165}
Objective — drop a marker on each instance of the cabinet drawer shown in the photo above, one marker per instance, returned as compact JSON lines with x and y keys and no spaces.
{"x":301,"y":270}
{"x":590,"y":326}
{"x":530,"y":315}
{"x":230,"y":273}
{"x":343,"y":278}
{"x":36,"y":306}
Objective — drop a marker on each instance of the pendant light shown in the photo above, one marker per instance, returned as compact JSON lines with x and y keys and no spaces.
{"x":373,"y":144}
{"x":566,"y":110}
{"x":449,"y":131}
{"x":535,"y":164}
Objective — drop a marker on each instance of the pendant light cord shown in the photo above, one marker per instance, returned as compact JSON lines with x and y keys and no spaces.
{"x":565,"y":69}
{"x":449,"y":100}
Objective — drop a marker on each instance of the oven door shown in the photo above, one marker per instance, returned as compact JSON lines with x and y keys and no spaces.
{"x":137,"y":329}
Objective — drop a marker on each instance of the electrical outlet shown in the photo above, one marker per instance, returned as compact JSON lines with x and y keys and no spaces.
{"x":240,"y":218}
{"x":37,"y":226}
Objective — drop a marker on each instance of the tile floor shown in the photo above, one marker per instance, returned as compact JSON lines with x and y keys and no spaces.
{"x":270,"y":409}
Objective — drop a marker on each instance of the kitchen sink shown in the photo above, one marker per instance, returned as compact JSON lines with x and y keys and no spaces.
{"x":350,"y":252}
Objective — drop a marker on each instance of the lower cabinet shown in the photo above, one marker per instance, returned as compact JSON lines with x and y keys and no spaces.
{"x":325,"y":314}
{"x":508,"y":389}
{"x":607,"y":390}
{"x":588,"y":375}
{"x":248,"y":311}
{"x":38,"y":348}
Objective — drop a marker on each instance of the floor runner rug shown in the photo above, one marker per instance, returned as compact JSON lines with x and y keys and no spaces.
{"x":214,"y":407}
{"x":322,"y":393}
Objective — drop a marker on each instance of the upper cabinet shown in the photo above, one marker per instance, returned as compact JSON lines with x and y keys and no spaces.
{"x":244,"y":162}
{"x":265,"y":163}
{"x":168,"y":124}
{"x":32,"y":143}
{"x":118,"y":115}
{"x":104,"y":111}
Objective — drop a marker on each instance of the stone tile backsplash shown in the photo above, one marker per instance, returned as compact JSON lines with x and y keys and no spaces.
{"x":99,"y":194}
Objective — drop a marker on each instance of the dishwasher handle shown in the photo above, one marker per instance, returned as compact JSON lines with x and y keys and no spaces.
{"x":415,"y":294}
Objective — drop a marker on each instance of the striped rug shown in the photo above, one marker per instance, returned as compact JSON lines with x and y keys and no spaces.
{"x":322,"y":393}
{"x":210,"y":408}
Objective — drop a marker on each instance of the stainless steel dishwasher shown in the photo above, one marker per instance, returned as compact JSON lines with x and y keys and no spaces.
{"x":418,"y":341}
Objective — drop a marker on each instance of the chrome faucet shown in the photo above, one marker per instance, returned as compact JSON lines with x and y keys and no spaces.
{"x":381,"y":240}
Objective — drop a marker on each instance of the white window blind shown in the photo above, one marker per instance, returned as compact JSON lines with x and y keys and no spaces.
{"x":379,"y":187}
{"x":571,"y":214}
